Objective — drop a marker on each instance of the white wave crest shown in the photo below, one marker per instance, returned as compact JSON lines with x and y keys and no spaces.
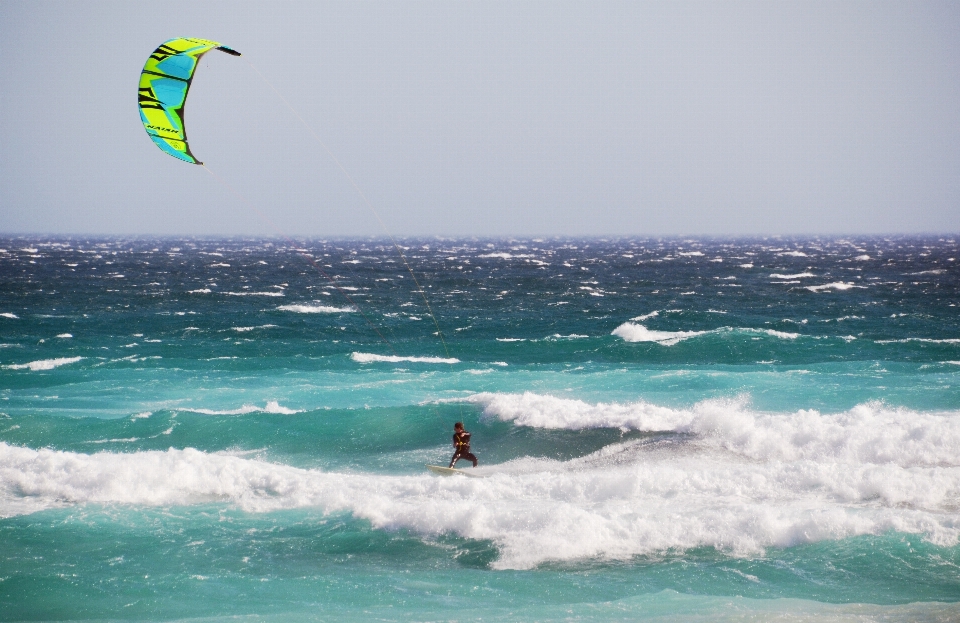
{"x":797,"y":276}
{"x":370,"y":358}
{"x":867,"y":434}
{"x":9,"y":315}
{"x":272,"y":406}
{"x":245,"y":329}
{"x":838,"y":285}
{"x":541,"y":411}
{"x":600,"y":506}
{"x":315,"y":309}
{"x":632,"y":332}
{"x":921,"y":339}
{"x":505,"y":256}
{"x":253,"y":293}
{"x":44,"y":364}
{"x":784,"y":335}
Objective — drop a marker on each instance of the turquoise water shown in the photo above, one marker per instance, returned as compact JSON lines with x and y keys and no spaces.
{"x":669,"y":430}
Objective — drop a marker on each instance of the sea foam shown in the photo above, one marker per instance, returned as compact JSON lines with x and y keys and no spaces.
{"x":44,"y":364}
{"x":837,"y":285}
{"x":272,"y":406}
{"x":615,"y":504}
{"x":315,"y":309}
{"x":253,"y":293}
{"x":633,"y":332}
{"x":371,"y":358}
{"x":796,"y":276}
{"x":870,"y":433}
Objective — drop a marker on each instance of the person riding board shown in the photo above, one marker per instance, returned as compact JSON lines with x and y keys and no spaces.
{"x":461,"y":442}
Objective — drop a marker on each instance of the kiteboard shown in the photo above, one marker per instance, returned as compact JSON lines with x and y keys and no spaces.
{"x":450,"y":471}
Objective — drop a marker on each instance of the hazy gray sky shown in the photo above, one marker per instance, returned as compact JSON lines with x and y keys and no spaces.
{"x":490,"y":118}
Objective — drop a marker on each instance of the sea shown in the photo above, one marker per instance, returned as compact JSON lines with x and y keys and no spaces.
{"x":676,"y":429}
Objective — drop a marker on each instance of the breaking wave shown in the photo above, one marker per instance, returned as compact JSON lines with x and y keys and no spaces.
{"x":633,"y":332}
{"x":43,"y":364}
{"x":625,"y":500}
{"x":315,"y":309}
{"x":371,"y":358}
{"x":272,"y":406}
{"x":870,"y":433}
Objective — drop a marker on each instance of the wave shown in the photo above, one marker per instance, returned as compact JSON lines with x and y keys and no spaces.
{"x":43,"y":364}
{"x":245,"y":329}
{"x":272,"y":406}
{"x":9,"y":315}
{"x":797,"y":276}
{"x":632,"y":332}
{"x":533,"y":510}
{"x":253,"y":293}
{"x":870,"y":433}
{"x":837,"y":285}
{"x":370,"y":358}
{"x":921,"y":339}
{"x":316,"y":309}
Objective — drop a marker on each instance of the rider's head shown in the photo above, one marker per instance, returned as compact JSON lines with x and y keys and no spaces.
{"x":458,"y":426}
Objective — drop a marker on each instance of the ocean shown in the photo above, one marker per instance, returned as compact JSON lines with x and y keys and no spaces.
{"x":672,"y":429}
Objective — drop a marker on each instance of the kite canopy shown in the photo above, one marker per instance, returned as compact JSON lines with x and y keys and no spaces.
{"x":164,"y":83}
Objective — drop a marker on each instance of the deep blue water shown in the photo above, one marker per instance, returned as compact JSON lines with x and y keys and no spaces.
{"x":679,"y":429}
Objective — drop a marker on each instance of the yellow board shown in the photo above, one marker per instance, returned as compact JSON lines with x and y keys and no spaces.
{"x":449,"y":471}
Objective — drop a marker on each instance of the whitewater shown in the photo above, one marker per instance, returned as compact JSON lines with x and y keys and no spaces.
{"x":668,"y":430}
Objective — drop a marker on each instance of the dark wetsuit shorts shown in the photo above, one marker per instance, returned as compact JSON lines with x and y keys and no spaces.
{"x":463,"y":453}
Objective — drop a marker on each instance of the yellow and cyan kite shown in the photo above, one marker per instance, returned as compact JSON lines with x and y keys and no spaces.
{"x":164,"y":83}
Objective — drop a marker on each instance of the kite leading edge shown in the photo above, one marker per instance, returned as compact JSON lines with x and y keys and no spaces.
{"x":164,"y":83}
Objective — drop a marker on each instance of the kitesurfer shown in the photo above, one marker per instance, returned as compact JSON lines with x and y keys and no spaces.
{"x":461,"y":443}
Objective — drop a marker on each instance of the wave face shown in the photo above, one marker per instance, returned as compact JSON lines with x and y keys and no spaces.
{"x":635,"y":498}
{"x":869,"y":433}
{"x":666,"y":428}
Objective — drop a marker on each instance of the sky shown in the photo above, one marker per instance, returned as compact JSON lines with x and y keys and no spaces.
{"x":488,"y":119}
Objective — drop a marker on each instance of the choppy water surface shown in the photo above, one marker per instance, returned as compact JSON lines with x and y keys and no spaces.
{"x":668,"y":430}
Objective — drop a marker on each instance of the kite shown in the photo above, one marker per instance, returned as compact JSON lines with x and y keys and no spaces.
{"x":164,"y":83}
